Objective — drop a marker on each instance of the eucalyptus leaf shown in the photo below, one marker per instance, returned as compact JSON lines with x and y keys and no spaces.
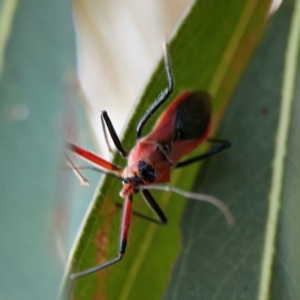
{"x":258,"y":178}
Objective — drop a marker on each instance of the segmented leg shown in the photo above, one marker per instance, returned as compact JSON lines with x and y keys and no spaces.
{"x":125,"y":224}
{"x":214,"y":150}
{"x":91,"y":157}
{"x":148,"y":198}
{"x":105,"y":120}
{"x":162,"y":97}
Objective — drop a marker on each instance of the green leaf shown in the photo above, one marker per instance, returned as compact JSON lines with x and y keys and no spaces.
{"x":209,"y":51}
{"x":258,"y":178}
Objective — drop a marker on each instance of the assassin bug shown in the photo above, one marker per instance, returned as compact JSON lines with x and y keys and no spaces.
{"x":182,"y":127}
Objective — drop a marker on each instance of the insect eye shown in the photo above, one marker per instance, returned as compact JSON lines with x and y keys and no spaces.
{"x":147,"y":172}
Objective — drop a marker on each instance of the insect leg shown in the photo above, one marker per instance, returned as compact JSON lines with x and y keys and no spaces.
{"x":91,"y":157}
{"x":214,"y":150}
{"x":105,"y":118}
{"x":125,"y":224}
{"x":110,"y":150}
{"x":92,"y":168}
{"x":154,"y":207}
{"x":162,"y":97}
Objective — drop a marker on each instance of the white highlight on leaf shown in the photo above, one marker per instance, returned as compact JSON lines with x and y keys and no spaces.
{"x":274,"y":6}
{"x":288,"y":88}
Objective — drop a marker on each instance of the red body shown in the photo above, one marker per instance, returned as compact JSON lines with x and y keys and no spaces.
{"x":183,"y":126}
{"x":180,"y":129}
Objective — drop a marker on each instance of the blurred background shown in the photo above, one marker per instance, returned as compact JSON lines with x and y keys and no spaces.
{"x":113,"y":47}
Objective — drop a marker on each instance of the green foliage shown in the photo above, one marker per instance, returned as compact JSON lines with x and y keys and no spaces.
{"x":258,"y":178}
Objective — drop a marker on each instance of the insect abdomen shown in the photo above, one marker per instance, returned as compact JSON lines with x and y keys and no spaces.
{"x":192,"y":116}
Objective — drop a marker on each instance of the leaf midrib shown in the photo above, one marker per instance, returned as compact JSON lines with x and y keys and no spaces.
{"x":288,"y":88}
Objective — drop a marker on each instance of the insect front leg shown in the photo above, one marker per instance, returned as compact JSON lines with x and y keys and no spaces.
{"x":93,"y":158}
{"x":155,"y":208}
{"x":125,"y":224}
{"x":148,"y":198}
{"x":222,"y":145}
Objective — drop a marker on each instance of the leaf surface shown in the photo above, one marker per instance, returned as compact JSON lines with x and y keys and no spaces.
{"x":258,"y":178}
{"x":209,"y":51}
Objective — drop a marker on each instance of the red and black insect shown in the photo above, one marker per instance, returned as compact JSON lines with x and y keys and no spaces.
{"x":183,"y":126}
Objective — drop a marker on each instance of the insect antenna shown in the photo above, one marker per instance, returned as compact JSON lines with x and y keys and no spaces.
{"x":195,"y":196}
